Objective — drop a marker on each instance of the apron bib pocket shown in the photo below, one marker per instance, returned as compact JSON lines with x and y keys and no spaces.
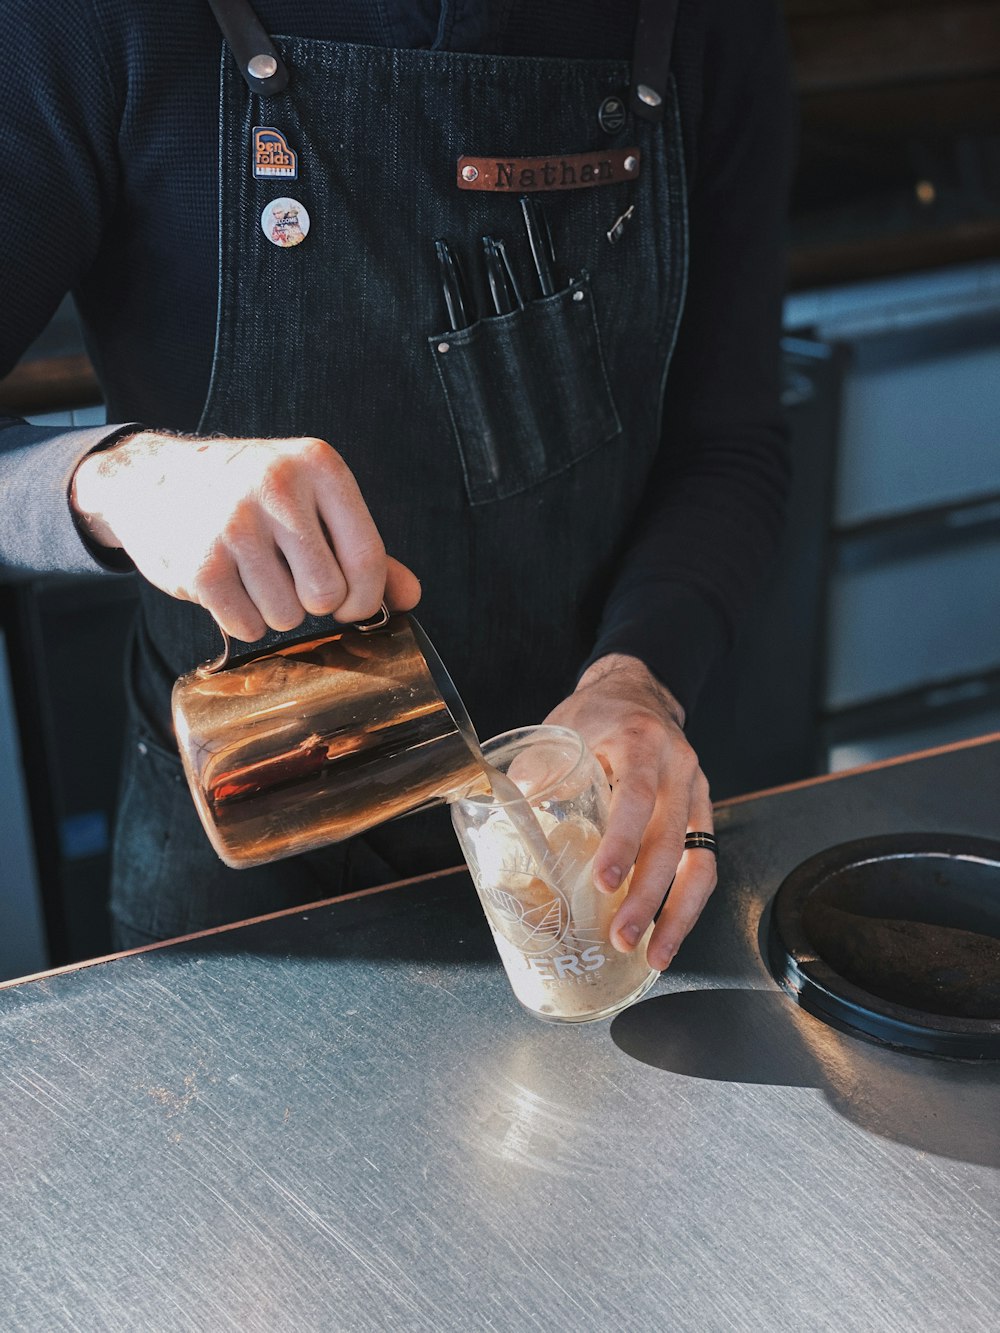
{"x":527,"y":393}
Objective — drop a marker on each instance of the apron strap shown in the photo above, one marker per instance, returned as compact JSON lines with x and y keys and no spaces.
{"x":654,"y":39}
{"x":253,"y":51}
{"x":265,"y":72}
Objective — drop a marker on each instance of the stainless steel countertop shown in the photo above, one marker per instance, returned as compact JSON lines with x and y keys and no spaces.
{"x":340,"y":1119}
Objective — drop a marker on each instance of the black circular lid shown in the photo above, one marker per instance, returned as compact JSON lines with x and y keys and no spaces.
{"x":896,"y":939}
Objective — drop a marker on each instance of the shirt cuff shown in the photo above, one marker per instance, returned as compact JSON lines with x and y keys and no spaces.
{"x":39,"y":531}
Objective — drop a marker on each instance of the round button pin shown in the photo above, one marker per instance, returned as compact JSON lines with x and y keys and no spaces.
{"x":611,"y":115}
{"x":285,"y":222}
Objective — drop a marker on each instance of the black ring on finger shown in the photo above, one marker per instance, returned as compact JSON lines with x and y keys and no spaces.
{"x":701,"y":842}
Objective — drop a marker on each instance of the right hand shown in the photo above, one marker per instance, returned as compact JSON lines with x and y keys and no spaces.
{"x":259,"y":532}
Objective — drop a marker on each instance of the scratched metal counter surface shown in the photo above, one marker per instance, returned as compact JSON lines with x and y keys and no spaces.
{"x":340,"y":1119}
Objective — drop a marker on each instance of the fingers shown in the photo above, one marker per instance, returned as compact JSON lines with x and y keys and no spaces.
{"x":272,"y":528}
{"x":633,"y":800}
{"x":219,"y":588}
{"x":633,"y":725}
{"x":656,"y":864}
{"x":691,"y":890}
{"x":330,"y":559}
{"x":320,"y":586}
{"x":635,"y":761}
{"x":696,"y":878}
{"x":664,"y":864}
{"x":355,"y":541}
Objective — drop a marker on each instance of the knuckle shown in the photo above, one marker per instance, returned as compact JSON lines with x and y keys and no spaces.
{"x":327,"y":605}
{"x":312,"y":447}
{"x":239,"y":532}
{"x":685,"y":763}
{"x":240,"y":624}
{"x":649,"y":891}
{"x":322,"y":456}
{"x":278,"y":484}
{"x":643,"y":730}
{"x":324,"y":595}
{"x":358,"y":608}
{"x":369,"y":556}
{"x":210,"y":574}
{"x":285,"y":618}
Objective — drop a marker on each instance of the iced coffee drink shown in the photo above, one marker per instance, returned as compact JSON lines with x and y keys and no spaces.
{"x":530,"y":831}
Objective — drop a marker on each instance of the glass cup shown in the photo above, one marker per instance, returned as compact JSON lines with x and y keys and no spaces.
{"x":529,"y":830}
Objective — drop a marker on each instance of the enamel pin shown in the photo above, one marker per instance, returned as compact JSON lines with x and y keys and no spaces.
{"x":272,"y":156}
{"x":285,"y":222}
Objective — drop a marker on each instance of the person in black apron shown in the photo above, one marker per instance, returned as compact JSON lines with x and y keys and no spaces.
{"x":504,"y":454}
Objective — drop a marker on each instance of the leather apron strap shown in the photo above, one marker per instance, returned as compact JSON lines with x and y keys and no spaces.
{"x":254,"y":52}
{"x":651,"y":51}
{"x":266,"y":74}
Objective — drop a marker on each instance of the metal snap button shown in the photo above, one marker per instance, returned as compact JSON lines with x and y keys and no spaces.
{"x":262,"y":67}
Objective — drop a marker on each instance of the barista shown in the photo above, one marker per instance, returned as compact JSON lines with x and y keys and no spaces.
{"x":305,"y":427}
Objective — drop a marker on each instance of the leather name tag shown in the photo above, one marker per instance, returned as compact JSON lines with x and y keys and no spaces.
{"x":568,"y":171}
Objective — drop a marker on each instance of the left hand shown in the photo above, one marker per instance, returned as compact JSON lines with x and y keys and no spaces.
{"x":634,"y":727}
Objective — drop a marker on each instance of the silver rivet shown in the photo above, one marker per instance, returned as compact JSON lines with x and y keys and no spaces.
{"x":648,"y":95}
{"x":630,"y":163}
{"x":262,"y":67}
{"x":470,"y":173}
{"x":444,"y":347}
{"x":143,"y":747}
{"x":578,"y":296}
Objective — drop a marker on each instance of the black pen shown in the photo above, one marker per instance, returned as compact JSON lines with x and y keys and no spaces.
{"x":540,"y":239}
{"x":456,"y":296}
{"x":503,"y":287}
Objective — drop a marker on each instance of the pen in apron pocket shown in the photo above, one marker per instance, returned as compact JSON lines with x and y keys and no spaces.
{"x":536,"y":224}
{"x":462,"y":314}
{"x":456,"y":293}
{"x":503,"y":286}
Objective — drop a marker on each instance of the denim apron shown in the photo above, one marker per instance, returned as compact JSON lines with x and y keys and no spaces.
{"x":503,"y":462}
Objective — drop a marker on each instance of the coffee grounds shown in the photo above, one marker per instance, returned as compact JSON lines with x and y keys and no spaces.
{"x":938,"y":969}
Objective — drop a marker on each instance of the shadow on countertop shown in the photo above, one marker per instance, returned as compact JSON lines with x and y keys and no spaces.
{"x":944,"y":1107}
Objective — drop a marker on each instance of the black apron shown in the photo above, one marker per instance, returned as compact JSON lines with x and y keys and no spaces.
{"x":503,"y":462}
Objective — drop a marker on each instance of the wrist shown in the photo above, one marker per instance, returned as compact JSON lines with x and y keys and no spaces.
{"x":88,"y":492}
{"x":633,"y":673}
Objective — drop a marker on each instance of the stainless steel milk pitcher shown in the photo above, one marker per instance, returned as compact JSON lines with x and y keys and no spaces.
{"x":312,"y":741}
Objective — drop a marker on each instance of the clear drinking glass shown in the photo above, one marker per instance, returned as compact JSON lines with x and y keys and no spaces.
{"x":529,"y":839}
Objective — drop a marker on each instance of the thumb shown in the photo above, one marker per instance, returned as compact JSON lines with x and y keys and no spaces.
{"x":402,"y":587}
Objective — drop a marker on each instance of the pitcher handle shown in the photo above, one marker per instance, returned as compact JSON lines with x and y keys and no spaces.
{"x":378,"y":621}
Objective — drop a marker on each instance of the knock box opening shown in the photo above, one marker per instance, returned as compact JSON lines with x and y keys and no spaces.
{"x":898,"y":940}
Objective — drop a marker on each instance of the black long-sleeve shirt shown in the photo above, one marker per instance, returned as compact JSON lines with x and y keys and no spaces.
{"x":110,"y":154}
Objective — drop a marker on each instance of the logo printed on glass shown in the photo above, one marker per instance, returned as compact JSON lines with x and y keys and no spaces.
{"x":536,"y":915}
{"x":272,"y":156}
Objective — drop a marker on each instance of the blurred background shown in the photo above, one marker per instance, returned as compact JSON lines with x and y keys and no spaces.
{"x":880,"y":632}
